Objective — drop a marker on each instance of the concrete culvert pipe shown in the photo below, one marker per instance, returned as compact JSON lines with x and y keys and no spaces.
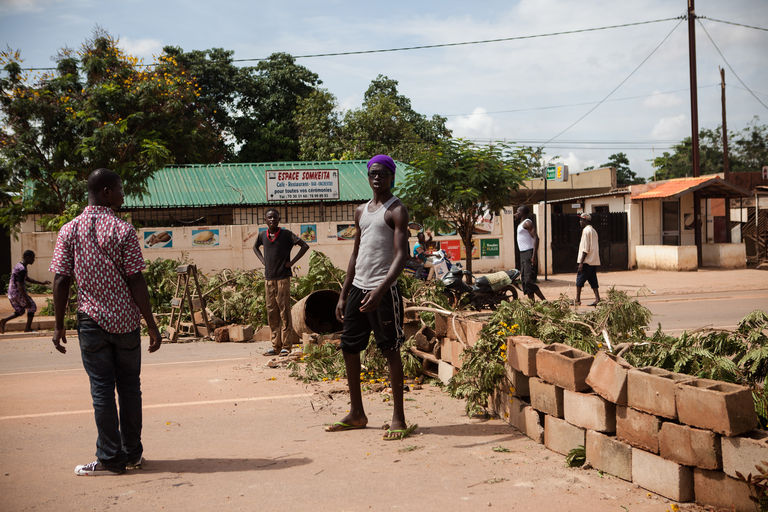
{"x":316,"y":313}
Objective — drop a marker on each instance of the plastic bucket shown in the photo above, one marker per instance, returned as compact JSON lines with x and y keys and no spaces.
{"x":316,"y":313}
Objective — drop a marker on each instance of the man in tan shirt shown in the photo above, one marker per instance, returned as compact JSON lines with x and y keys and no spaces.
{"x":588,"y":259}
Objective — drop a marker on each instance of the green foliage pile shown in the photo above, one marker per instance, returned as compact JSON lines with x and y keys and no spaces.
{"x":326,"y":362}
{"x":237,"y":296}
{"x":160,"y":275}
{"x":321,"y":275}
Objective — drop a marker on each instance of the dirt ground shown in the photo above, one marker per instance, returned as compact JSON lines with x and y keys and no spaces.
{"x":222,"y":431}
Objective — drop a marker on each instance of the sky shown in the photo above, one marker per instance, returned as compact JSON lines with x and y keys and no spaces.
{"x":539,"y":91}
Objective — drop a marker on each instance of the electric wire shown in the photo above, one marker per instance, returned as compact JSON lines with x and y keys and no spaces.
{"x":438,"y":45}
{"x":731,"y":67}
{"x":731,"y":23}
{"x":567,"y":105}
{"x":620,"y":83}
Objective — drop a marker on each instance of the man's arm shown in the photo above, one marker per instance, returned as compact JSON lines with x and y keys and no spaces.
{"x":529,"y":226}
{"x":61,"y":284}
{"x":341,"y":304}
{"x":257,"y":249}
{"x":35,"y":281}
{"x":303,"y":248}
{"x":399,"y":216}
{"x":138,"y":288}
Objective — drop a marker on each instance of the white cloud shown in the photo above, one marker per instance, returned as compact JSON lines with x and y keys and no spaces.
{"x":662,"y":100}
{"x":478,"y":124}
{"x":22,"y":5}
{"x":143,"y":48}
{"x":671,"y":127}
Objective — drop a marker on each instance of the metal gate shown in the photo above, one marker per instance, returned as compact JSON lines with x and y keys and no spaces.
{"x":612,"y":237}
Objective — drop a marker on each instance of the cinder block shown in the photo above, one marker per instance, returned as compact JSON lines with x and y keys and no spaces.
{"x":517,"y":413}
{"x":722,"y":407}
{"x":472,"y":330}
{"x":521,"y":353}
{"x":589,"y":410}
{"x":498,"y":403}
{"x":652,"y":390}
{"x":518,"y":383}
{"x":610,"y":455}
{"x":690,"y":446}
{"x":240,"y":333}
{"x":545,"y":397}
{"x":533,"y":425}
{"x":608,"y":377}
{"x":446,"y":351}
{"x":445,"y":371}
{"x":743,"y":453}
{"x":264,"y":333}
{"x":456,"y":328}
{"x":560,"y":436}
{"x":716,"y":489}
{"x":441,"y":325}
{"x":564,"y":366}
{"x":639,"y":429}
{"x":662,"y":476}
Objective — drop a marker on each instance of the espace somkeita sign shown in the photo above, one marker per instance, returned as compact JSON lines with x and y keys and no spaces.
{"x":302,"y":184}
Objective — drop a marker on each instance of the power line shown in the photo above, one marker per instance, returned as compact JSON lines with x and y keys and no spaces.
{"x":552,"y":107}
{"x":620,"y":83}
{"x":731,"y":67}
{"x":732,"y":23}
{"x":439,"y":45}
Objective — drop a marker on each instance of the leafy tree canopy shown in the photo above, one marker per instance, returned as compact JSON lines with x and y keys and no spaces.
{"x":458,"y":181}
{"x":747,"y":152}
{"x":100,"y":108}
{"x":624,"y":175}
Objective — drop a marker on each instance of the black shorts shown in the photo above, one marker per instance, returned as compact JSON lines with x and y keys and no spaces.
{"x":588,"y":274}
{"x":386,"y":322}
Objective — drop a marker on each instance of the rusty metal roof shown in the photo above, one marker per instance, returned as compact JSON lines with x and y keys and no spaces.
{"x":708,"y":186}
{"x":242,"y":184}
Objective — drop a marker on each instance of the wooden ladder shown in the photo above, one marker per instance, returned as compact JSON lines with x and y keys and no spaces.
{"x":188,"y":284}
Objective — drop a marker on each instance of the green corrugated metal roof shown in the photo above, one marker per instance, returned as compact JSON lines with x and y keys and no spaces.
{"x":241,"y":184}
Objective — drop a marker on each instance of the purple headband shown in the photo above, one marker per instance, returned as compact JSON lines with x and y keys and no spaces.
{"x":384,"y":160}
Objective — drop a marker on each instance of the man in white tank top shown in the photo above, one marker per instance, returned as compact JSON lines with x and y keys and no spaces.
{"x":370,"y":300}
{"x":528,"y":244}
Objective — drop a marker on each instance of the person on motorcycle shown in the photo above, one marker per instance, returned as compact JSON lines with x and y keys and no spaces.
{"x":528,"y":244}
{"x":420,"y":250}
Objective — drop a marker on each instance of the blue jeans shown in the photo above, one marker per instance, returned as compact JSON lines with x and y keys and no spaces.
{"x":113,"y":361}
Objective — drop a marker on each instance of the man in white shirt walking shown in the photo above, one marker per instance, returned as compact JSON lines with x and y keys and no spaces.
{"x":588,"y":259}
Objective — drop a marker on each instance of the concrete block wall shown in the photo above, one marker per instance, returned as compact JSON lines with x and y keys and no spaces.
{"x":638,"y":424}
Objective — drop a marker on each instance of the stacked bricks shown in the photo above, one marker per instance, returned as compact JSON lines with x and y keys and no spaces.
{"x":679,"y":436}
{"x":454,"y":334}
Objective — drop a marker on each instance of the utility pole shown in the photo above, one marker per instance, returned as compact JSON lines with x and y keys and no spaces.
{"x":694,"y":124}
{"x":726,"y":163}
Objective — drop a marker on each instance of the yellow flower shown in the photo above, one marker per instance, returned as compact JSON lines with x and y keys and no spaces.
{"x":503,"y":346}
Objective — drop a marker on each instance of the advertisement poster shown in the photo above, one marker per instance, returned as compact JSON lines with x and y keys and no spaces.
{"x":345,"y":231}
{"x":205,"y":237}
{"x":308,"y":232}
{"x":452,"y":249}
{"x":158,"y":239}
{"x":489,"y":248}
{"x":302,"y":185}
{"x":475,"y":251}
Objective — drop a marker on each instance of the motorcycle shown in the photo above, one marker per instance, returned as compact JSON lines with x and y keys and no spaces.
{"x":486,"y":292}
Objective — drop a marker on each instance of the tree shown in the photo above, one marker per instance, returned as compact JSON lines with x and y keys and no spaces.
{"x":457,"y":181}
{"x":624,"y":175}
{"x":387,"y":123}
{"x":268,"y":96}
{"x":748,"y":152}
{"x":318,"y":127}
{"x":98,"y":109}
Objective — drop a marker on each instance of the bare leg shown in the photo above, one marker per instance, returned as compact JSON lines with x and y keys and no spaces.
{"x":396,"y":382}
{"x":597,"y":295}
{"x":30,"y":316}
{"x":5,"y":321}
{"x":578,"y":295}
{"x":356,"y":416}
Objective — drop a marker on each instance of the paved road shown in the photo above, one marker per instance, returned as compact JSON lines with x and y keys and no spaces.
{"x":723,"y":310}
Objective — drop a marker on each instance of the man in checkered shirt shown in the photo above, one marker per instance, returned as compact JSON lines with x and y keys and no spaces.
{"x":102,"y":253}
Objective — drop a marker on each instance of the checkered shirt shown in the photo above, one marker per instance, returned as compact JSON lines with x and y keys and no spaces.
{"x":102,"y":291}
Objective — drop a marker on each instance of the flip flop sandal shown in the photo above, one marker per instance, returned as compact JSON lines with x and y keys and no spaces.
{"x":270,"y":352}
{"x":340,"y":426}
{"x":284,"y":353}
{"x":399,"y":434}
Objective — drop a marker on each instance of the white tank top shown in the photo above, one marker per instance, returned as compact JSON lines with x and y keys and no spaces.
{"x":377,"y":247}
{"x":525,"y":241}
